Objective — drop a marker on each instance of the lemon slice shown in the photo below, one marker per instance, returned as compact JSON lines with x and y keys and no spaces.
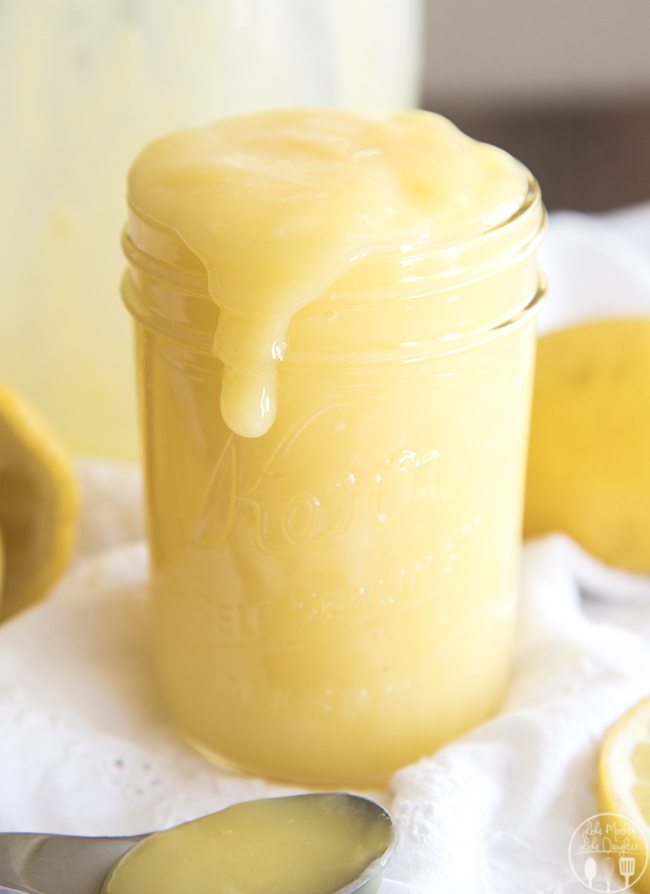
{"x":624,"y":781}
{"x":38,"y":505}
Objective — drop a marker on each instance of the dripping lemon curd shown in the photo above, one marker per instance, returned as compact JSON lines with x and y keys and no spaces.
{"x":335,"y":330}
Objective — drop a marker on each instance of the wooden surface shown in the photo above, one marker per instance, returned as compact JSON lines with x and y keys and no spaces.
{"x":592,"y":159}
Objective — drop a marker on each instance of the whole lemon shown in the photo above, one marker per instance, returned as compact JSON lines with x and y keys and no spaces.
{"x":38,"y":505}
{"x":589,"y":458}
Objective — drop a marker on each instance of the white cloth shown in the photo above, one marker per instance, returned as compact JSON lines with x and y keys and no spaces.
{"x":85,"y":747}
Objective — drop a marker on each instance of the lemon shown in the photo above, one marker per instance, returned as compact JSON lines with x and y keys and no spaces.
{"x":624,"y":780}
{"x":589,"y":458}
{"x":38,"y":505}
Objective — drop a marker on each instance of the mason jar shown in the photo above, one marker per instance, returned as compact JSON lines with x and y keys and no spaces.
{"x":337,"y":598}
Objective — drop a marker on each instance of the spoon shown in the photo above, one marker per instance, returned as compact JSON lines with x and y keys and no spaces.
{"x":329,"y":843}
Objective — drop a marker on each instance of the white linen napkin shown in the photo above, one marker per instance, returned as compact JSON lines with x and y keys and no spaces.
{"x":85,"y":747}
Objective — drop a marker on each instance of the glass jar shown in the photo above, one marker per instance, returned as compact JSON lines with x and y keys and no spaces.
{"x":337,"y":598}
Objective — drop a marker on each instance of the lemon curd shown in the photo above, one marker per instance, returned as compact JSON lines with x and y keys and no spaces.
{"x":305,"y":844}
{"x":335,"y":337}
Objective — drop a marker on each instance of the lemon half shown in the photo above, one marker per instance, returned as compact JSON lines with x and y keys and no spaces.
{"x":38,"y":505}
{"x":624,"y":776}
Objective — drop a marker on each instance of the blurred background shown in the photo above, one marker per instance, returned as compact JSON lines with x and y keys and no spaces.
{"x":565,"y":86}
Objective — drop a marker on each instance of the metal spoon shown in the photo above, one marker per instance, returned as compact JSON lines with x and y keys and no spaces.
{"x":68,"y":864}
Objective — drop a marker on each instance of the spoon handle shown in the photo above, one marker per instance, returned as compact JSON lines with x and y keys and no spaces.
{"x":57,"y":864}
{"x":5,"y":890}
{"x":15,"y":851}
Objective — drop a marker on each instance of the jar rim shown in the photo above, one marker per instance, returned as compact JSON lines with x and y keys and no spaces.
{"x":147,"y":246}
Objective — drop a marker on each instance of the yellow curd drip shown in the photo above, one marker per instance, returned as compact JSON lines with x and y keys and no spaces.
{"x":278,"y":206}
